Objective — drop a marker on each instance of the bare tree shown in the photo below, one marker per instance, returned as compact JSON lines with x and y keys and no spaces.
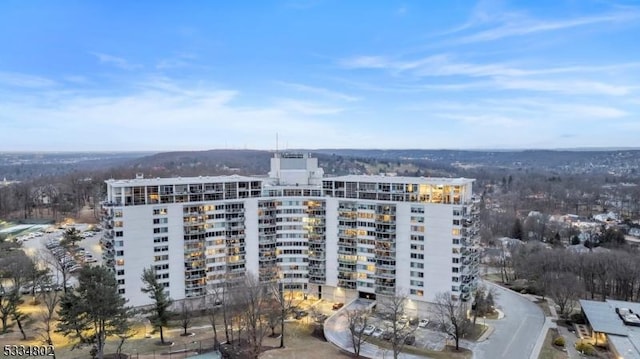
{"x":400,"y":329}
{"x":213,"y":304}
{"x":186,"y":315}
{"x":565,"y":289}
{"x":285,"y":304}
{"x":254,"y":298}
{"x":59,"y":263}
{"x":47,"y":315}
{"x":451,"y":315}
{"x":357,"y":321}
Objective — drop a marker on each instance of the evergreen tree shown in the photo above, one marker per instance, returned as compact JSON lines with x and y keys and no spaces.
{"x":160,"y":312}
{"x":96,"y":311}
{"x":516,"y":230}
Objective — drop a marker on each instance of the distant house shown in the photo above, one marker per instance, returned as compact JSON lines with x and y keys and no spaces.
{"x":615,"y":324}
{"x":606,"y":217}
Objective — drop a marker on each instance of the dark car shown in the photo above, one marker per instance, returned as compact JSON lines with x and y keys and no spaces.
{"x":410,"y":340}
{"x":337,"y":306}
{"x":301,"y":314}
{"x":387,"y":335}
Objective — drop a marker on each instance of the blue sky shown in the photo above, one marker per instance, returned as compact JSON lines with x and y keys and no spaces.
{"x":194,"y":75}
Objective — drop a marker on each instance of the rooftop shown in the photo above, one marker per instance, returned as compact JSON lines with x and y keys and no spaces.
{"x":396,"y":179}
{"x":179,"y":180}
{"x":604,"y":318}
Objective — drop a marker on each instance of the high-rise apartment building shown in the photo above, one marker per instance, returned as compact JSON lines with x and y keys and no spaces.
{"x":330,"y":237}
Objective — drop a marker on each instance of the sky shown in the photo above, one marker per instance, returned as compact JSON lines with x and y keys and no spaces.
{"x":195,"y":75}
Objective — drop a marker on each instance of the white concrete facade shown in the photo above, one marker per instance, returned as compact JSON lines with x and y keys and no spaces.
{"x":332,"y":237}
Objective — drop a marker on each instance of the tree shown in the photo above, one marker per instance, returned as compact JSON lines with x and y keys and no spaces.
{"x":60,"y":264}
{"x":161,"y":302}
{"x":186,"y":314}
{"x":452,"y":316}
{"x":400,"y":328}
{"x":253,"y":296}
{"x":357,"y":321}
{"x":70,"y":237}
{"x":483,"y":302}
{"x":213,"y":303}
{"x":565,"y":289}
{"x":516,"y":230}
{"x":50,"y":301}
{"x":96,"y":308}
{"x":285,"y":304}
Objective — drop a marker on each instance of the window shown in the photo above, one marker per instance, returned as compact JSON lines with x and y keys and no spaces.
{"x":162,"y":276}
{"x":120,"y":272}
{"x":160,"y":220}
{"x":417,"y":256}
{"x":456,"y":231}
{"x":118,"y":224}
{"x":159,"y":211}
{"x":161,"y":267}
{"x":121,"y":291}
{"x":419,"y":293}
{"x":161,"y":249}
{"x":120,"y":262}
{"x":417,"y":274}
{"x":161,"y":258}
{"x":160,"y":239}
{"x":417,"y":265}
{"x":455,"y":260}
{"x":119,"y":253}
{"x":161,"y":230}
{"x":456,"y":222}
{"x":417,"y":237}
{"x":119,"y":243}
{"x":454,"y":288}
{"x":120,"y":281}
{"x":119,"y":234}
{"x":455,"y":279}
{"x":456,"y":241}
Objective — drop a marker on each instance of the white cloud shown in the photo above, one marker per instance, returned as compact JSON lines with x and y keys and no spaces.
{"x":115,"y":61}
{"x":319,"y":91}
{"x":570,"y":87}
{"x":24,"y":80}
{"x":490,"y":21}
{"x":188,"y":117}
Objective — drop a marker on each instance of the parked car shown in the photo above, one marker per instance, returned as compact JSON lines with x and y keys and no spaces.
{"x":301,"y":314}
{"x":410,"y":339}
{"x":337,"y":306}
{"x":377,"y":332}
{"x":368,"y":330}
{"x":423,"y":323}
{"x":387,"y":335}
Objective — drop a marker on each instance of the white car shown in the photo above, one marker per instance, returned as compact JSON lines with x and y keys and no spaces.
{"x":423,"y":323}
{"x":377,"y":333}
{"x":369,"y":329}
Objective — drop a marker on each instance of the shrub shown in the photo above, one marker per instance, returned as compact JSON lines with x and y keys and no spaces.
{"x":585,"y":348}
{"x":559,"y":341}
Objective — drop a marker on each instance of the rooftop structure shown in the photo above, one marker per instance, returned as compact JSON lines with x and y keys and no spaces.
{"x":616,"y":324}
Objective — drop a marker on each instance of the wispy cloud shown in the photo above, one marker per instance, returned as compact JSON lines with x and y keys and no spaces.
{"x":572,"y":87}
{"x":170,"y":114}
{"x":488,"y":22}
{"x":115,"y":61}
{"x":319,"y":91}
{"x":24,"y":80}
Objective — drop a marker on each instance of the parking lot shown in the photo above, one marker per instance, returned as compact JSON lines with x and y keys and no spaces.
{"x":45,"y":242}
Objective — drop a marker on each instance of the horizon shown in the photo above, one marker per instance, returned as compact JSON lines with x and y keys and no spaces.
{"x":311,"y":150}
{"x":472,"y":76}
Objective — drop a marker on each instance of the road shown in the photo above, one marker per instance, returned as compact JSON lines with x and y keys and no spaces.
{"x":516,"y":334}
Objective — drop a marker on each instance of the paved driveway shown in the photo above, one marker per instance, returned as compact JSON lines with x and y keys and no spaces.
{"x":336,"y":331}
{"x":516,"y":334}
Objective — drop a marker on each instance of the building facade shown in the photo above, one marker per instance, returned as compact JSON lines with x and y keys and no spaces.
{"x":335,"y":238}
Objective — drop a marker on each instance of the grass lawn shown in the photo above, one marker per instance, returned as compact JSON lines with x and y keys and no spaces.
{"x":550,"y":351}
{"x":476,"y":332}
{"x":544,"y":305}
